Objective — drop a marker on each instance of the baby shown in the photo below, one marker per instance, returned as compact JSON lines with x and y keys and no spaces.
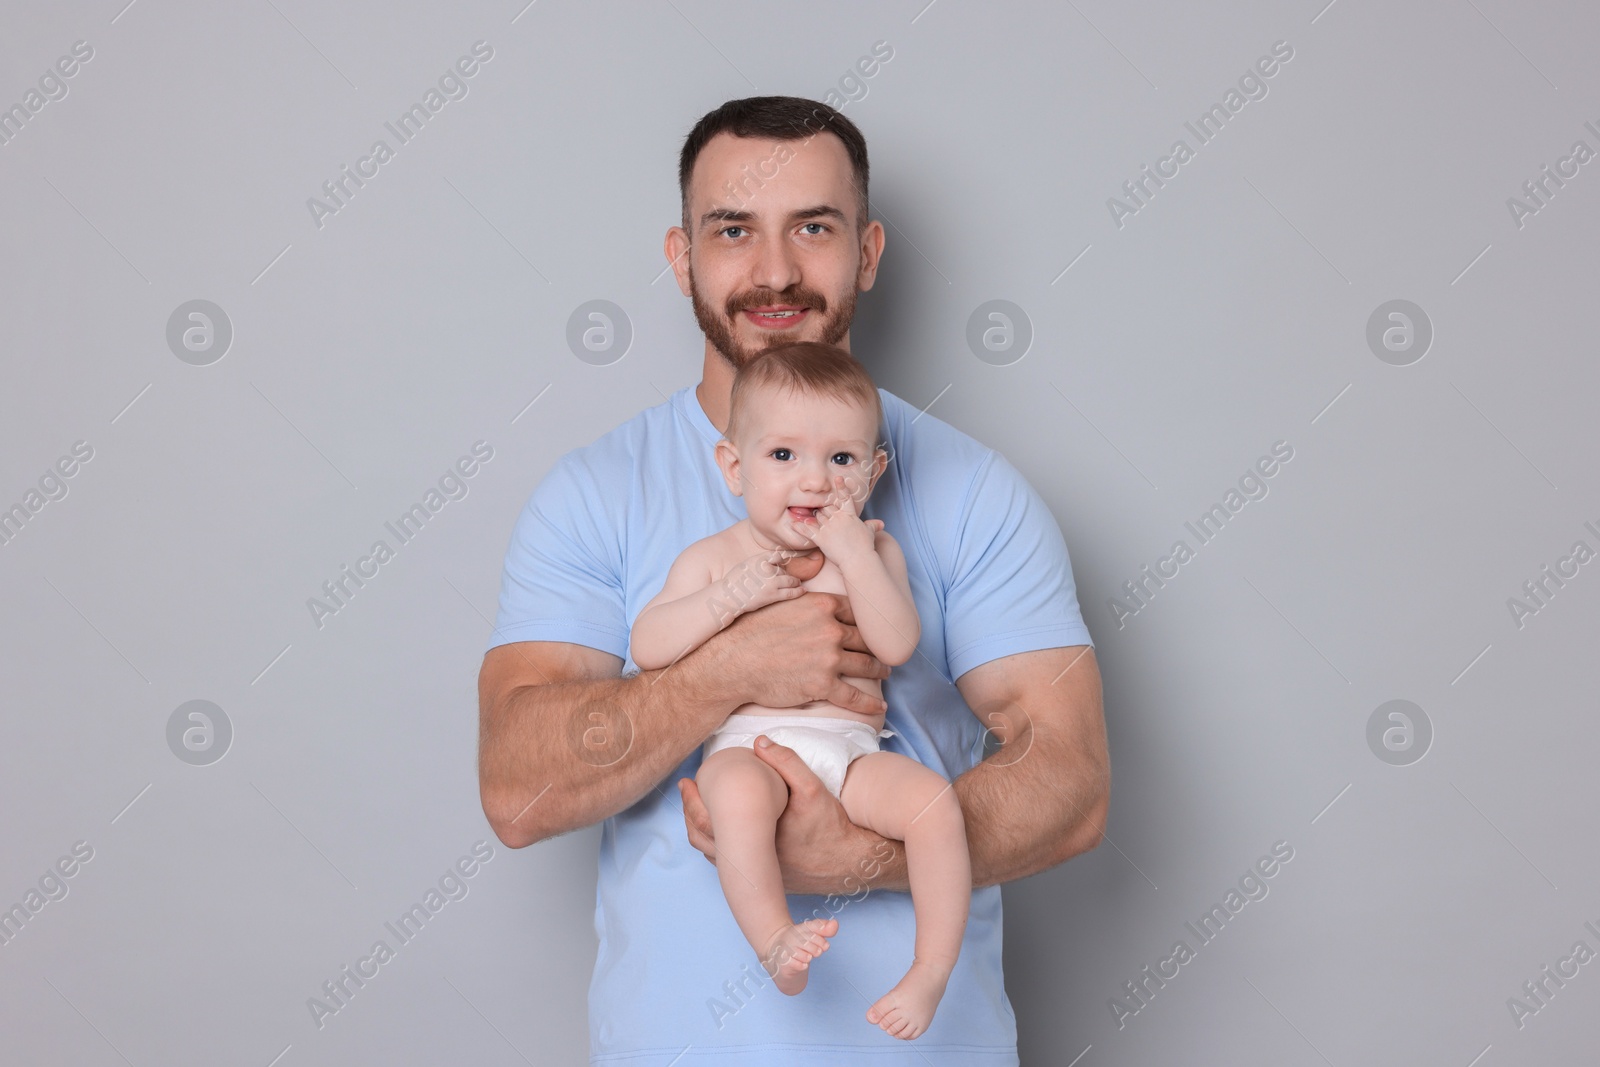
{"x":800,"y":448}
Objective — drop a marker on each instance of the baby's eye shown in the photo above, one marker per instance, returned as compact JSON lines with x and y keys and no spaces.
{"x":781,"y":454}
{"x":844,"y":459}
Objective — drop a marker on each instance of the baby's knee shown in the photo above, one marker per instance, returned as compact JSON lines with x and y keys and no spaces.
{"x":937,"y":809}
{"x":739,"y":774}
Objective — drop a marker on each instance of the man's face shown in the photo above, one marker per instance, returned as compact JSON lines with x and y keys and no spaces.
{"x":773,"y":251}
{"x":791,"y":448}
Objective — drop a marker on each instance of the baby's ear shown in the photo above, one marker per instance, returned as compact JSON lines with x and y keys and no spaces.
{"x":728,"y":460}
{"x":880,"y":463}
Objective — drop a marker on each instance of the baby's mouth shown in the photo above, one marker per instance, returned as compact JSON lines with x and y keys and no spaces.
{"x":803,"y":514}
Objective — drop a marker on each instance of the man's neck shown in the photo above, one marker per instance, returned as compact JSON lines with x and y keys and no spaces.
{"x":715,"y":388}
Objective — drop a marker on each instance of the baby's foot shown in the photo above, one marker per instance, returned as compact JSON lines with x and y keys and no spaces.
{"x":792,"y":949}
{"x":907,"y":1009}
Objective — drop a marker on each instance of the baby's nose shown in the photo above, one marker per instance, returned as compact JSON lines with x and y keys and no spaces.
{"x":814,"y":479}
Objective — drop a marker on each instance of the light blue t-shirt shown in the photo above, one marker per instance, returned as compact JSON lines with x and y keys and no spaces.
{"x":990,"y":576}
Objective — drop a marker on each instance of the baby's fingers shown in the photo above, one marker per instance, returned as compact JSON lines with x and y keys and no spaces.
{"x":847,"y":502}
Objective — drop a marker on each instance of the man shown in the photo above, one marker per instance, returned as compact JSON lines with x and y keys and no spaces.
{"x":775,"y":245}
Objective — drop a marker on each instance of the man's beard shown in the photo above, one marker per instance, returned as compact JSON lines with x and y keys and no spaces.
{"x":718,"y":326}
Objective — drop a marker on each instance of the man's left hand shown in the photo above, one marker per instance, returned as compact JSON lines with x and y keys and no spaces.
{"x":820,"y":850}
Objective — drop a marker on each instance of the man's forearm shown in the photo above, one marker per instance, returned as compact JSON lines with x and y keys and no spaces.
{"x":1022,"y":818}
{"x":568,"y":754}
{"x":1019,"y":821}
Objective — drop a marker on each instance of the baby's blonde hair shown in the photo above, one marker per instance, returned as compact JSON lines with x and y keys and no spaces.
{"x":807,"y":367}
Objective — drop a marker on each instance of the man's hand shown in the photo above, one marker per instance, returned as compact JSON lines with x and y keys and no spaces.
{"x":804,"y":564}
{"x":819,"y":849}
{"x":796,"y":651}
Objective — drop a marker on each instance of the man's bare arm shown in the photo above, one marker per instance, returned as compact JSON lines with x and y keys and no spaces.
{"x":565,"y":742}
{"x":1042,"y":798}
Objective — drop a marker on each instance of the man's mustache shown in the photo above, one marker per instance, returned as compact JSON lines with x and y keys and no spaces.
{"x":801,"y":298}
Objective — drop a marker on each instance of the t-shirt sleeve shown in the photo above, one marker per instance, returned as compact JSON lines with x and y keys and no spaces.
{"x":562,"y":579}
{"x":1011,"y":588}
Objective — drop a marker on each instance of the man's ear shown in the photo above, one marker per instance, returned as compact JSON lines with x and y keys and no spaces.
{"x":871,"y":250}
{"x":676,"y":248}
{"x":728,"y":459}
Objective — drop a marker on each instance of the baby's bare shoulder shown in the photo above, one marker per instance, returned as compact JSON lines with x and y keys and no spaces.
{"x":718,"y":553}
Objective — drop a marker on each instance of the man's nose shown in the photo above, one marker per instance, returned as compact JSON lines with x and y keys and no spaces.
{"x":777,"y":268}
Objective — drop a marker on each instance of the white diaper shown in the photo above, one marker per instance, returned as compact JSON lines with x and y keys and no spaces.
{"x":828,"y":744}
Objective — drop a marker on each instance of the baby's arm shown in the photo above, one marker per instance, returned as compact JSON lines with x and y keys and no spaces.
{"x":880,"y":597}
{"x":693,"y":605}
{"x":874,"y":572}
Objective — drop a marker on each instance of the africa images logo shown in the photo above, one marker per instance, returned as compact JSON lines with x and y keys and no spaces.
{"x":453,"y":85}
{"x":1206,"y":128}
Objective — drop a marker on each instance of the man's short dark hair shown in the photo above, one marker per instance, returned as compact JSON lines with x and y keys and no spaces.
{"x":780,"y":118}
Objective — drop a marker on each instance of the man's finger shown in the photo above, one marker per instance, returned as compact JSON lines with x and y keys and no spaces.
{"x":787,"y":762}
{"x":862,"y":665}
{"x":852,"y":641}
{"x":842,"y":610}
{"x":848,"y":696}
{"x":695,"y":810}
{"x":805,"y":564}
{"x":696,"y":819}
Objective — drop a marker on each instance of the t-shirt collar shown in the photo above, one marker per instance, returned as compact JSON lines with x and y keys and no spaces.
{"x":689,"y":405}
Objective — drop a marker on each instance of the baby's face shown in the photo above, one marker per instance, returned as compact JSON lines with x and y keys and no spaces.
{"x":792,"y":448}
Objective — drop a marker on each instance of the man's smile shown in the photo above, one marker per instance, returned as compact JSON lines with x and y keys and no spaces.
{"x":777,"y":316}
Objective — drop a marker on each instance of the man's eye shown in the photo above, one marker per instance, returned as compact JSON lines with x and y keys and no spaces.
{"x":818,"y":225}
{"x":729,"y":230}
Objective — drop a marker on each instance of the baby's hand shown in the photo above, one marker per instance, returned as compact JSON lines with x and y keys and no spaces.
{"x":839,"y":532}
{"x":761,"y":580}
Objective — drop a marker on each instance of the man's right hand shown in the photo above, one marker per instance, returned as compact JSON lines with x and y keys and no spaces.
{"x":795,"y":651}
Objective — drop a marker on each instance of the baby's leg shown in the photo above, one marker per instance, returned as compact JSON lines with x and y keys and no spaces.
{"x":745,"y":797}
{"x":899,"y":798}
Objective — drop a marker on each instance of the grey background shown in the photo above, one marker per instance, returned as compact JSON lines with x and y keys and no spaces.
{"x":369,"y":354}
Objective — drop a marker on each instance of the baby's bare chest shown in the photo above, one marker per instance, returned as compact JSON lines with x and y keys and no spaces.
{"x":827,"y":580}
